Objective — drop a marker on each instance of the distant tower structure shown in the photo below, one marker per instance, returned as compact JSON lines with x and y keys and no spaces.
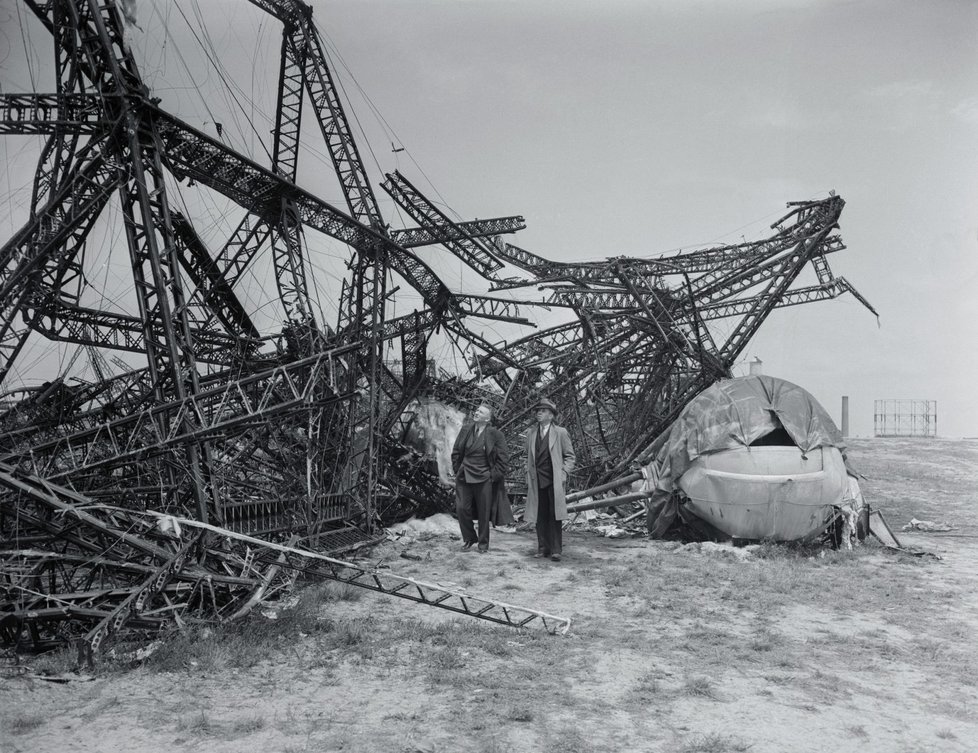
{"x":756,"y":366}
{"x":905,"y":418}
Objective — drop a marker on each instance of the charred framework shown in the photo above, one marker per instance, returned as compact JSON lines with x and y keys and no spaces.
{"x":301,"y":434}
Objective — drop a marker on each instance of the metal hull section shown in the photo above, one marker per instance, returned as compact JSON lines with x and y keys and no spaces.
{"x":771,"y":492}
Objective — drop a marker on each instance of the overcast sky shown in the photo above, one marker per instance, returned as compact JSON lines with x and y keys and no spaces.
{"x":638,"y":128}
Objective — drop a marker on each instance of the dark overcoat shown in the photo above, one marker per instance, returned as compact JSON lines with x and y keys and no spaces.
{"x":497,"y":453}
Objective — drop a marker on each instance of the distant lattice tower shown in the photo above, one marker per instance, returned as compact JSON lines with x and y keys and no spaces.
{"x":905,"y":418}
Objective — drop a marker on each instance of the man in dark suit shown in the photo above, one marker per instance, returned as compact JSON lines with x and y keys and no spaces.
{"x":479,"y":458}
{"x":549,"y":459}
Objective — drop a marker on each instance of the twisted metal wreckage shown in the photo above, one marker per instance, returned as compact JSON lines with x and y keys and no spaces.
{"x":304,"y":435}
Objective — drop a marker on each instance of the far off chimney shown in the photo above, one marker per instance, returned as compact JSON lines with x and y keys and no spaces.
{"x":756,"y":366}
{"x":845,"y":415}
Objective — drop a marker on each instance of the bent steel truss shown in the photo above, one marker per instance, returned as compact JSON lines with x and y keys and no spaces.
{"x":305,"y":431}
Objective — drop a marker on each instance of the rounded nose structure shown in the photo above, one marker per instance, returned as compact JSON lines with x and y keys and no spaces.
{"x":773,"y":492}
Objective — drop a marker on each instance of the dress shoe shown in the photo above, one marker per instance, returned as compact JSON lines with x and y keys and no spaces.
{"x":467,"y":545}
{"x":541,"y":555}
{"x":483,"y":549}
{"x":555,"y":557}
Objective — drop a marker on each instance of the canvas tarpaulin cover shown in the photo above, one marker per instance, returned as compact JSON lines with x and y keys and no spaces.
{"x":730,"y":414}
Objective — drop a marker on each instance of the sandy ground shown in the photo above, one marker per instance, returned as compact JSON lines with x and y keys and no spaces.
{"x":672,"y":648}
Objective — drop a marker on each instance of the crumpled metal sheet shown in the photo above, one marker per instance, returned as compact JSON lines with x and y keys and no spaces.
{"x":733,"y":414}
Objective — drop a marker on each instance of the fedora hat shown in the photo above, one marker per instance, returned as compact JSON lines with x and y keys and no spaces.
{"x":548,"y":404}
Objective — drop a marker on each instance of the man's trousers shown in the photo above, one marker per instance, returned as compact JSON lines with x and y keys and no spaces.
{"x":474,"y":501}
{"x":549,"y":529}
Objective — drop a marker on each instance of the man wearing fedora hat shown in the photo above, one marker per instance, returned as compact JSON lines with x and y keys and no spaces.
{"x":549,"y":458}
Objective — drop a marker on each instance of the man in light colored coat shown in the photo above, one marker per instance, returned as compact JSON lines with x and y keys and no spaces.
{"x":549,"y":459}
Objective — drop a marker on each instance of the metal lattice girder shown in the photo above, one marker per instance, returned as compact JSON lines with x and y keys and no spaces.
{"x":826,"y":291}
{"x":425,"y":213}
{"x":101,"y":538}
{"x":286,"y":237}
{"x":60,"y":320}
{"x":494,"y":351}
{"x":210,"y":413}
{"x":83,"y":575}
{"x":46,"y":242}
{"x":137,"y":602}
{"x":289,"y":12}
{"x":68,"y":57}
{"x":213,"y":296}
{"x":104,"y":56}
{"x":58,"y":508}
{"x":416,"y":322}
{"x":113,"y":564}
{"x":304,"y":60}
{"x":43,"y":588}
{"x":90,"y":405}
{"x":69,"y":113}
{"x":194,"y":154}
{"x":642,"y":446}
{"x":74,"y":206}
{"x":231,"y":262}
{"x":486,"y":307}
{"x":53,"y":167}
{"x":785,"y":274}
{"x":593,"y":299}
{"x":289,"y":264}
{"x":288,"y":113}
{"x":146,"y":214}
{"x":386,"y":582}
{"x":169,"y":344}
{"x":540,"y":347}
{"x":424,"y":236}
{"x":661,"y":314}
{"x":822,"y":269}
{"x":335,"y":127}
{"x":522,"y":258}
{"x":717,"y":286}
{"x":362,"y":316}
{"x":43,"y":573}
{"x":725,"y":258}
{"x":814,"y":220}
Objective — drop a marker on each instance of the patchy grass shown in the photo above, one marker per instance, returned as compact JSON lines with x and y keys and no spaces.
{"x":60,"y":662}
{"x":659,"y":631}
{"x":335,"y":591}
{"x":713,"y":743}
{"x":648,"y":687}
{"x":244,"y":727}
{"x":197,"y":724}
{"x":201,"y":724}
{"x":569,"y":740}
{"x":517,"y":714}
{"x":700,"y":687}
{"x":245,"y":644}
{"x":22,"y":723}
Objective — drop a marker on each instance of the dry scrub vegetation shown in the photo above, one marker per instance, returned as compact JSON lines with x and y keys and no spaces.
{"x":683,"y":649}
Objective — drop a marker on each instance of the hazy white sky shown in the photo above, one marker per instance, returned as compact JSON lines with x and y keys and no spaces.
{"x":638,"y":128}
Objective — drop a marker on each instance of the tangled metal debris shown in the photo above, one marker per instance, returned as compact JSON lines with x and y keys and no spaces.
{"x":304,"y":434}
